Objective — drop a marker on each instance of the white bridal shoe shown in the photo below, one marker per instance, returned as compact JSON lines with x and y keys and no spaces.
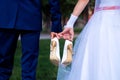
{"x":54,"y":51}
{"x":67,"y":53}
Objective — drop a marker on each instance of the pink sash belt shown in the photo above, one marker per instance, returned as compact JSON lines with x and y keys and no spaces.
{"x":107,"y":8}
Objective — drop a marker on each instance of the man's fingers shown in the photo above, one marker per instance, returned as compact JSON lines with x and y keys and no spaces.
{"x":53,"y":34}
{"x":60,"y":34}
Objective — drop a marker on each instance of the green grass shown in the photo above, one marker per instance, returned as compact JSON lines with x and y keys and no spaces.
{"x":45,"y":69}
{"x":77,"y":30}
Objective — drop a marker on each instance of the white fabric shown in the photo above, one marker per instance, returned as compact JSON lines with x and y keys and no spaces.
{"x":71,"y":21}
{"x":97,"y":48}
{"x":102,"y":3}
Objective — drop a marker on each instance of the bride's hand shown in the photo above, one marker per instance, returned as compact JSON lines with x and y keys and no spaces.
{"x":67,"y":33}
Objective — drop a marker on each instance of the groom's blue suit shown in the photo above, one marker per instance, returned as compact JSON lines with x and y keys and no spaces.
{"x":26,"y":14}
{"x":23,"y":17}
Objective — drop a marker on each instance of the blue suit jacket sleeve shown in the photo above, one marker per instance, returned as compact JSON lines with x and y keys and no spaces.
{"x":55,"y":16}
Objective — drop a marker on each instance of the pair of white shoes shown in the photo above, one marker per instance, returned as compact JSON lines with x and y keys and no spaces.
{"x":55,"y":52}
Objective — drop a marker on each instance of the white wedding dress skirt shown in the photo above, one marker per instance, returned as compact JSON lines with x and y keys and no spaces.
{"x":96,"y":50}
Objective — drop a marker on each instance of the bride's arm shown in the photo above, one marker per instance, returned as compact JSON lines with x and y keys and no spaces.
{"x":81,"y":4}
{"x":68,"y":32}
{"x":79,"y":7}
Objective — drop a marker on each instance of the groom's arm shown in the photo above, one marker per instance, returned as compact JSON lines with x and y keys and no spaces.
{"x":55,"y":16}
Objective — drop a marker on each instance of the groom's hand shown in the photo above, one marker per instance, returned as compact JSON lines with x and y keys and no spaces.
{"x":54,"y":34}
{"x":67,"y":33}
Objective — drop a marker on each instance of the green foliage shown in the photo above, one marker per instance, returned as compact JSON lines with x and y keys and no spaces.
{"x":72,"y":1}
{"x":44,"y":2}
{"x":92,"y":3}
{"x":67,"y":7}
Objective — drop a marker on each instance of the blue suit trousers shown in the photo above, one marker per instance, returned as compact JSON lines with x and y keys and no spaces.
{"x":30,"y":51}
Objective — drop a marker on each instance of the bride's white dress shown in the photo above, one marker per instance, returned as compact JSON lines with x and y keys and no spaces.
{"x":97,"y":48}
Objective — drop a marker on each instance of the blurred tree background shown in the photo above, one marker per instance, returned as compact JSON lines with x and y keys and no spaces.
{"x":66,"y":10}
